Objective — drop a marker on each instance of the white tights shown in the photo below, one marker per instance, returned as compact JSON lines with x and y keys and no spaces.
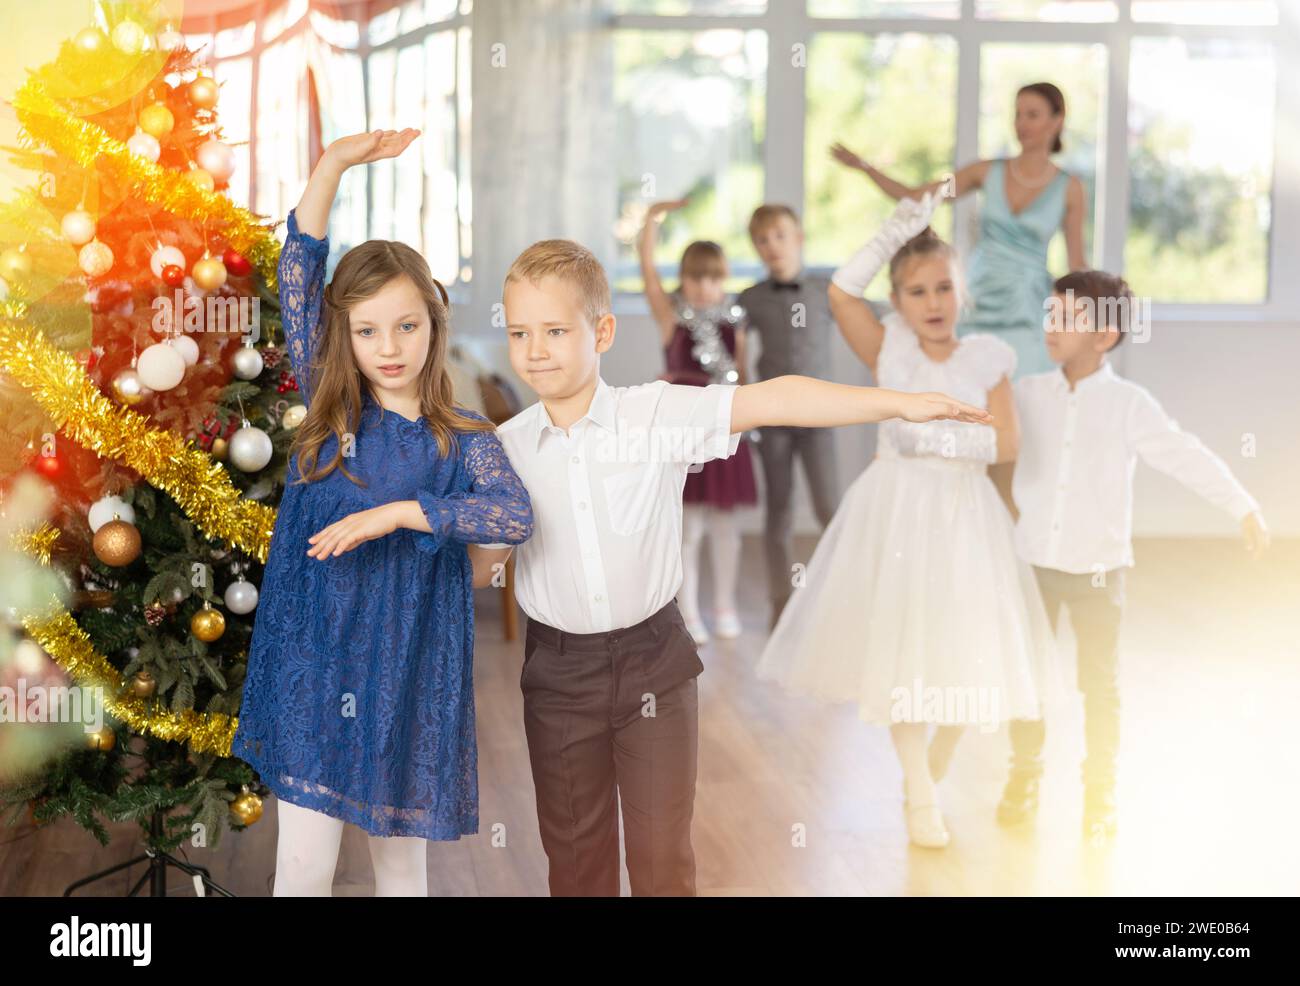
{"x":308,"y":850}
{"x":923,"y":768}
{"x":724,"y":556}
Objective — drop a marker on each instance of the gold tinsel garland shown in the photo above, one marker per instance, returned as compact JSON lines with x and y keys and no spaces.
{"x":58,"y":634}
{"x":87,"y":143}
{"x":189,"y":475}
{"x":39,"y":543}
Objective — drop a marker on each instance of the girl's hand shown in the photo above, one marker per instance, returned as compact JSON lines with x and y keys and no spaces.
{"x":354,"y":529}
{"x":368,"y":147}
{"x":940,"y":407}
{"x":660,"y":208}
{"x":847,"y":158}
{"x":1255,"y":535}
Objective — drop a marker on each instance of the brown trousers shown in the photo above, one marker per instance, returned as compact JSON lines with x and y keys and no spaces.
{"x":612,"y":717}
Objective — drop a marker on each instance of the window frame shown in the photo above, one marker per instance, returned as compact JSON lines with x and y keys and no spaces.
{"x":209,"y":60}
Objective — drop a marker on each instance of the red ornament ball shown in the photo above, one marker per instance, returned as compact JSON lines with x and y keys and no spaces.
{"x":173,"y":275}
{"x":236,"y":263}
{"x":48,"y":466}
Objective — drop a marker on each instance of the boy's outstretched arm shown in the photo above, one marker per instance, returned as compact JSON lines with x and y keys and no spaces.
{"x":806,"y":402}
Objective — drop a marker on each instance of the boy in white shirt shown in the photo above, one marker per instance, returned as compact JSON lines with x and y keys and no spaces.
{"x":1082,"y":429}
{"x":609,"y":667}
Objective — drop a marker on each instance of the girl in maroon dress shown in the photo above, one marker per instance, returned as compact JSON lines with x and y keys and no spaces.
{"x":703,"y":334}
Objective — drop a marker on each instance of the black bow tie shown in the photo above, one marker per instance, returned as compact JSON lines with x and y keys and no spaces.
{"x":785,"y":285}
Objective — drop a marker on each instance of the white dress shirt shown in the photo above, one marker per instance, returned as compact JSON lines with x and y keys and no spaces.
{"x":606,"y":550}
{"x":1074,"y":476}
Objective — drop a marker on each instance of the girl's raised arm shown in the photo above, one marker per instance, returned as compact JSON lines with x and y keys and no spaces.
{"x":301,"y":269}
{"x":661,"y":306}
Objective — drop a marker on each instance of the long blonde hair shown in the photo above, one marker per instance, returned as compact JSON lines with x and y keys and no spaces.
{"x":337,"y":392}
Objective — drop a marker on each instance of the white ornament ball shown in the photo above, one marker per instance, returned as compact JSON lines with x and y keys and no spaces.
{"x":161,"y":367}
{"x":129,"y":37}
{"x":170,"y":40}
{"x":165,"y":256}
{"x":294,"y":416}
{"x":216,"y":158}
{"x":107,"y":508}
{"x":78,"y":227}
{"x":248,"y":363}
{"x":28,"y":658}
{"x":187,"y":347}
{"x":95,"y":258}
{"x":250,"y":448}
{"x":241,"y":597}
{"x":144,"y":145}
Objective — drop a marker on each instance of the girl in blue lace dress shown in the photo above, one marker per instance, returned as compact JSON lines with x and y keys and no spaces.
{"x":358,"y":705}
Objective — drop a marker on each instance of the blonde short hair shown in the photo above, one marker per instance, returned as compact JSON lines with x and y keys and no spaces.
{"x":571,"y":262}
{"x":765,"y":215}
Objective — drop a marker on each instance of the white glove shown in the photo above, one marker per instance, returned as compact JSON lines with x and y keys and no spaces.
{"x":946,"y":440}
{"x":909,"y":218}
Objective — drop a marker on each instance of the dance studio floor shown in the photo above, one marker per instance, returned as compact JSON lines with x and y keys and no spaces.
{"x":1209,"y":789}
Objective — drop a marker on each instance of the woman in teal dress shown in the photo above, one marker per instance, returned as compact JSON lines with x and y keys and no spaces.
{"x":1026,"y":200}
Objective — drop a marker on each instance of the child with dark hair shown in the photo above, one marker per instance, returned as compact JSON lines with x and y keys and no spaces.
{"x":1082,"y":430}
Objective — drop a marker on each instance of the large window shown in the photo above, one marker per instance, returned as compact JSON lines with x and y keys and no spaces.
{"x":409,"y":63}
{"x":1174,"y":115}
{"x":890,"y":98}
{"x":1200,"y":168}
{"x":689,"y":107}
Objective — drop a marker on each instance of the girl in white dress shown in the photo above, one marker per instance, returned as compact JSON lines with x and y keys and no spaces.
{"x":915,"y":604}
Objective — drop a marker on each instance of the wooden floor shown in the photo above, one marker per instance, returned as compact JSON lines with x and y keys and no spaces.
{"x":1210,"y":772}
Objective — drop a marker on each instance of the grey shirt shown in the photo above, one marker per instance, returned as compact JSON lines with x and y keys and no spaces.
{"x":793,"y":324}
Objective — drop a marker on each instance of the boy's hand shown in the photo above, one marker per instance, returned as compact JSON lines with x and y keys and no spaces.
{"x":373,"y":146}
{"x":940,"y":407}
{"x":1255,"y":534}
{"x":354,"y":529}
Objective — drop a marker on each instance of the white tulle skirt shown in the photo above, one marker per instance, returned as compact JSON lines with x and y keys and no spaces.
{"x":916,"y":606}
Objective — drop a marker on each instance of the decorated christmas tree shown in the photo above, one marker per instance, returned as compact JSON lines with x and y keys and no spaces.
{"x":142,"y":382}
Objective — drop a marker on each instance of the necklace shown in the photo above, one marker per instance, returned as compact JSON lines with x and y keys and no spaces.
{"x":708,"y":346}
{"x":1015,"y":173}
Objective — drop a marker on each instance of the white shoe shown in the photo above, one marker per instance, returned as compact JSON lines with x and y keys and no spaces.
{"x":698,"y":631}
{"x":925,"y":826}
{"x":726,"y":624}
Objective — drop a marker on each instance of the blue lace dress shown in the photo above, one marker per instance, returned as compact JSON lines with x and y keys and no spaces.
{"x":359,"y":699}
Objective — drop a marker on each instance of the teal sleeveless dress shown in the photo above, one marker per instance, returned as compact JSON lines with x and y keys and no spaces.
{"x":1008,"y":276}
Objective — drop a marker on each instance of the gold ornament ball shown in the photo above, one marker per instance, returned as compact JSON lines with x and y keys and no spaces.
{"x":143,"y":685}
{"x":90,"y":41}
{"x":129,"y":38}
{"x":201,"y":179}
{"x":117,"y":543}
{"x":103,"y":739}
{"x":202,"y":92}
{"x":95,"y":258}
{"x":207,"y":625}
{"x":247,"y":808}
{"x":157,"y":120}
{"x":208,"y":273}
{"x":220,"y":448}
{"x":129,"y":388}
{"x":15,"y":265}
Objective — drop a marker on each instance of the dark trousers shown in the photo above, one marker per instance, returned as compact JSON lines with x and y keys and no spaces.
{"x":777,"y":449}
{"x":612,"y":717}
{"x":1095,"y":613}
